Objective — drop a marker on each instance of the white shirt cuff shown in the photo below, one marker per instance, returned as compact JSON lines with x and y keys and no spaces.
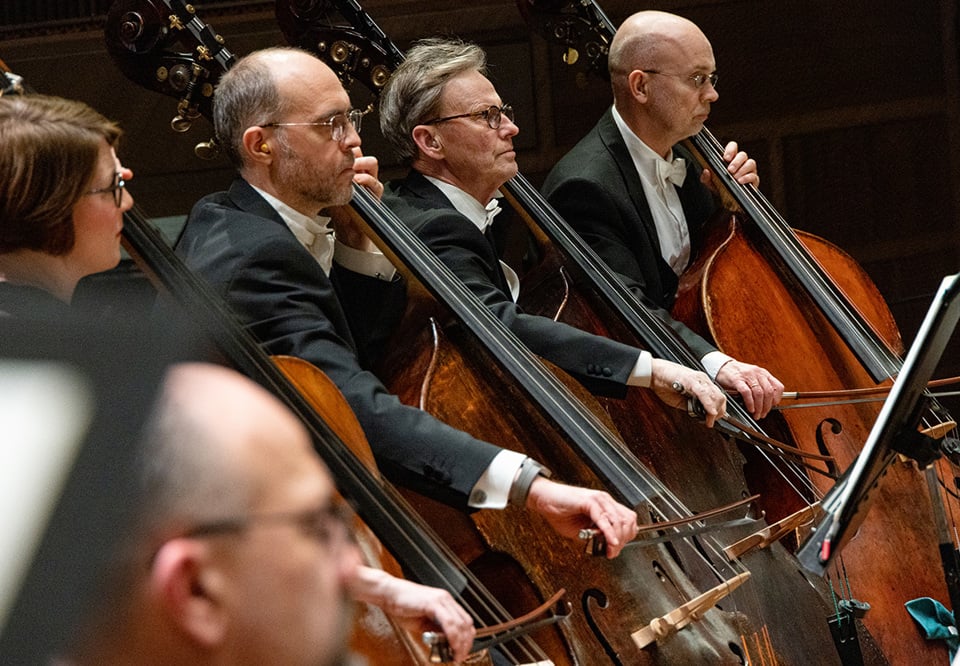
{"x":713,"y":361}
{"x":642,"y":371}
{"x":373,"y":264}
{"x":492,"y":489}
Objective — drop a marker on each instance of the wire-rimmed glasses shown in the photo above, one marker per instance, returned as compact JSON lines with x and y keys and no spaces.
{"x":492,"y":115}
{"x":337,"y":123}
{"x":698,"y":79}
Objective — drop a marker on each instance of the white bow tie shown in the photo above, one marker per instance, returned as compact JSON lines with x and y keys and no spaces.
{"x":674,"y":172}
{"x":492,"y":209}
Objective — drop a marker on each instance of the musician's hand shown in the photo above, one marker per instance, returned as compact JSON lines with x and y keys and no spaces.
{"x":366,"y":170}
{"x":674,"y":384}
{"x":344,"y":220}
{"x":741,"y":166}
{"x":418,"y":607}
{"x":569,"y":509}
{"x":760,"y":390}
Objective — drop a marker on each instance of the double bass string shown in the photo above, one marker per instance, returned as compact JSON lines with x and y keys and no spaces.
{"x":624,"y":471}
{"x":243,"y":351}
{"x":813,"y":275}
{"x":405,"y":525}
{"x":670,"y":347}
{"x":809,"y":271}
{"x":851,"y":321}
{"x":613,"y":474}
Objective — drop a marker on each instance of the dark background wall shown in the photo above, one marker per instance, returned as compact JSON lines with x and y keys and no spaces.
{"x":850,"y":108}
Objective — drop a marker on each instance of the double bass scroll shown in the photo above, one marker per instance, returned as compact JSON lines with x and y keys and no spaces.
{"x":394,"y":522}
{"x":756,"y":292}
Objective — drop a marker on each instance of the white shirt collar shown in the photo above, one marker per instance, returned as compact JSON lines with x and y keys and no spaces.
{"x":482,"y":217}
{"x":466,"y":205}
{"x":644,"y":157}
{"x":313,"y":232}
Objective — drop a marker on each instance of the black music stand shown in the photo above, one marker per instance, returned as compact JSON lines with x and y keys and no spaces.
{"x":847,"y":503}
{"x":83,"y":392}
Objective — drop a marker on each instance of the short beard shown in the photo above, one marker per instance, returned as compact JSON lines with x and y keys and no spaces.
{"x":309,"y":183}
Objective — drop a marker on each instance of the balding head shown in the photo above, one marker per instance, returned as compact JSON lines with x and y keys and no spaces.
{"x":653,"y":40}
{"x":226,"y":564}
{"x":211,"y":418}
{"x":662,"y":73}
{"x":263,"y":87}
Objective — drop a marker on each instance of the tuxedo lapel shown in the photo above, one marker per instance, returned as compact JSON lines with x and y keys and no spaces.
{"x":610,"y":135}
{"x":247,"y":199}
{"x":417,"y":185}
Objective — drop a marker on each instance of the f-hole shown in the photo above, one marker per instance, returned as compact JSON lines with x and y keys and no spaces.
{"x":835,"y":429}
{"x":601,"y":599}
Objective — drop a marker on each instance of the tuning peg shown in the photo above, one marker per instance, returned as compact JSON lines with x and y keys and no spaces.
{"x":181,"y":124}
{"x":207,"y":150}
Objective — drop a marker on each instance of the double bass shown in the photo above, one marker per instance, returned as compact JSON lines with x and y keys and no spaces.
{"x":329,"y":422}
{"x":786,"y":300}
{"x":308,"y":33}
{"x":690,"y":645}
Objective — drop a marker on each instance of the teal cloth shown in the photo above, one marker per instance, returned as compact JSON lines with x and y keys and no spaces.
{"x":935,"y":621}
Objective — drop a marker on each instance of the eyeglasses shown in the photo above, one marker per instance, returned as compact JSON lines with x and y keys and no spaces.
{"x":117,"y":188}
{"x":337,"y":123}
{"x":698,"y":79}
{"x":492,"y":115}
{"x":325,"y":524}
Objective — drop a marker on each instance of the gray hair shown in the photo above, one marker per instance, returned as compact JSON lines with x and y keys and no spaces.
{"x":412,"y":95}
{"x":247,"y":95}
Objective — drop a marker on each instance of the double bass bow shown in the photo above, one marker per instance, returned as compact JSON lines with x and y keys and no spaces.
{"x":320,"y":40}
{"x":703,"y":606}
{"x":414,"y":544}
{"x":808,"y":301}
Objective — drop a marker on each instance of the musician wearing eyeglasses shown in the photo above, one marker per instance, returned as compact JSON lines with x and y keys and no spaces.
{"x":638,"y":198}
{"x":62,"y":200}
{"x":241,"y":552}
{"x":443,"y":115}
{"x":287,"y":124}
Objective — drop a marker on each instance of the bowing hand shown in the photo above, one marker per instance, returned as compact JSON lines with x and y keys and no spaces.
{"x":417,"y":607}
{"x":570,"y":509}
{"x":674,"y":384}
{"x":760,"y":390}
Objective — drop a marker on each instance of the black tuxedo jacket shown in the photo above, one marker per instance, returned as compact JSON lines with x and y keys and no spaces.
{"x":596,"y":188}
{"x":24,"y":302}
{"x":239,"y":243}
{"x":600,"y":364}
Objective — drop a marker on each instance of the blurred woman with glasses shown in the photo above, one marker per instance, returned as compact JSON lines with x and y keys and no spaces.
{"x":61,"y":201}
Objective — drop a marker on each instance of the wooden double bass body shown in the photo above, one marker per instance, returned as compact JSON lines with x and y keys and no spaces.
{"x":332,"y":427}
{"x":783,"y":596}
{"x":703,"y":467}
{"x":751,"y":295}
{"x":438,"y":362}
{"x":738,"y":295}
{"x":340,"y":441}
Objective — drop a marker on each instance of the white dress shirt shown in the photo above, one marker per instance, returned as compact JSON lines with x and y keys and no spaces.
{"x":661,"y":196}
{"x":315,"y":234}
{"x":492,"y":489}
{"x":660,"y":181}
